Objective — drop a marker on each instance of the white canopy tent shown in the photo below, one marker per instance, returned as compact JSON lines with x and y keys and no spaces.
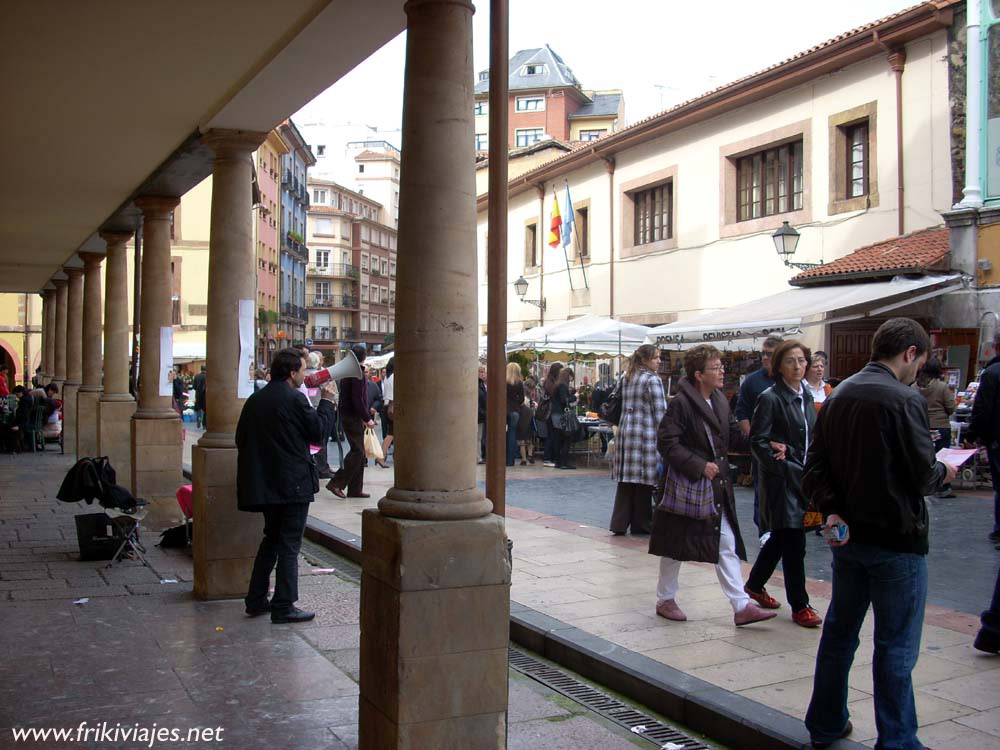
{"x":794,"y":309}
{"x":589,"y":334}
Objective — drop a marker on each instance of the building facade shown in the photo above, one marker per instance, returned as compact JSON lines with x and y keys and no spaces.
{"x":267,"y":244}
{"x":292,"y":228}
{"x":351,"y":277}
{"x":376,"y":176}
{"x":674,"y":216}
{"x":547,"y":101}
{"x":20,"y":336}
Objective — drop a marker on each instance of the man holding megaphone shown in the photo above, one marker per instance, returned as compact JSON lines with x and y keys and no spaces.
{"x":355,"y":415}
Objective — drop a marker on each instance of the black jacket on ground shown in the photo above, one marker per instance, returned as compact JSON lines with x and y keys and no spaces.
{"x":273,"y":464}
{"x":871,"y":460}
{"x":985,"y":423}
{"x":779,"y":417}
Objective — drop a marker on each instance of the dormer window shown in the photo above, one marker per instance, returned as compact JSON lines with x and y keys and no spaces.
{"x":484,"y":75}
{"x":534,"y":70}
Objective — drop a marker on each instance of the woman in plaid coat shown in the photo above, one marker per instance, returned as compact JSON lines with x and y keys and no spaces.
{"x":643,"y":405}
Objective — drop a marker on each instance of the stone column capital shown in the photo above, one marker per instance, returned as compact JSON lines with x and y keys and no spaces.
{"x":156,"y":206}
{"x":414,"y":6}
{"x":232,"y":144}
{"x":73,"y":272}
{"x":115,"y":238}
{"x":91,"y":259}
{"x":60,"y":282}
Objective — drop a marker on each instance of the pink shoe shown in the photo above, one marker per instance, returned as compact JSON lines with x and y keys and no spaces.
{"x":751,"y":614}
{"x":668,"y":608}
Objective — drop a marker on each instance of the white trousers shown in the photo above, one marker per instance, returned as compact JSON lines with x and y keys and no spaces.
{"x":727,"y":569}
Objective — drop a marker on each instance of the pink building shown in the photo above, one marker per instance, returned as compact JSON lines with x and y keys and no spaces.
{"x":268,"y":165}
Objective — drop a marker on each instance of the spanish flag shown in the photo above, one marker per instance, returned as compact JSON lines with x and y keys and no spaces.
{"x":555,"y":231}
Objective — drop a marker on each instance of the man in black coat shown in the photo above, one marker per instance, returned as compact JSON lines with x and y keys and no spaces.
{"x":276,"y":476}
{"x":199,"y":397}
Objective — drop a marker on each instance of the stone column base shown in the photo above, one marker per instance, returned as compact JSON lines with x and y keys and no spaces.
{"x":225,"y":539}
{"x":435,"y":606}
{"x":157,"y":449}
{"x":69,"y":393}
{"x":114,"y":436}
{"x":86,"y":423}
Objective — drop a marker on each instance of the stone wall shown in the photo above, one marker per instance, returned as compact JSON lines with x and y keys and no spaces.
{"x":956,"y":87}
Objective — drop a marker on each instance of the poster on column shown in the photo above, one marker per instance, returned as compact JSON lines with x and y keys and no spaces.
{"x":244,"y":374}
{"x":167,"y":361}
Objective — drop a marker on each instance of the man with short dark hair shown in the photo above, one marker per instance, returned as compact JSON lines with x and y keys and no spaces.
{"x":355,"y":416}
{"x":276,"y":476}
{"x":870,"y":464}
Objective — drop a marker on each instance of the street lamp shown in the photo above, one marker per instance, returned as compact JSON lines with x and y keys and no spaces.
{"x":786,"y":239}
{"x":521,"y":287}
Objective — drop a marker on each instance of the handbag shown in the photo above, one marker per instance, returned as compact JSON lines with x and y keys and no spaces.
{"x":544,"y":409}
{"x":686,"y":497}
{"x":812,"y":518}
{"x":390,"y":410}
{"x":611,"y":409}
{"x":571,"y":424}
{"x":373,"y":448}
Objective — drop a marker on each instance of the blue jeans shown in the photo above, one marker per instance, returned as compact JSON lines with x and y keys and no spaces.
{"x":895,"y":585}
{"x":513,"y":418}
{"x":994,"y":456}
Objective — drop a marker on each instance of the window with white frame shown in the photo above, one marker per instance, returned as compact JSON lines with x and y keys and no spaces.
{"x":364,"y":321}
{"x":364,"y":292}
{"x":322,"y":258}
{"x":482,"y":141}
{"x":482,"y":108}
{"x":364,"y":262}
{"x":322,"y":290}
{"x":593,"y":135}
{"x":383,"y":324}
{"x":392,"y":325}
{"x":529,"y":104}
{"x":527,"y":136}
{"x":319,"y":196}
{"x":533,"y":69}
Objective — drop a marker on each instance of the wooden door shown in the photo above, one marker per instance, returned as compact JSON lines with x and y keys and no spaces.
{"x":851,"y":348}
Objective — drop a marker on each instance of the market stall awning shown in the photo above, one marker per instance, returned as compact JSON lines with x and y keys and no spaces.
{"x":590,"y":334}
{"x":796,"y":308}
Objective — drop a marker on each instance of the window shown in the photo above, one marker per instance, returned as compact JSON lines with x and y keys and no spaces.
{"x":323,"y":226}
{"x":484,"y":75}
{"x":384,"y":295}
{"x":383,"y":323}
{"x":385,"y":267}
{"x":482,"y":141}
{"x":592,"y":135}
{"x":364,"y":321}
{"x":529,"y":104}
{"x":392,"y":269}
{"x":769,"y":182}
{"x":364,"y":261}
{"x":320,"y":150}
{"x":361,"y":168}
{"x":533,"y":69}
{"x":582,"y":228}
{"x":322,"y":258}
{"x":653,"y":216}
{"x":857,"y":159}
{"x":364,"y":292}
{"x":323,"y":290}
{"x":392,"y":325}
{"x":319,"y":196}
{"x":482,"y":108}
{"x":175,"y":310}
{"x":527,"y":136}
{"x":531,"y":245}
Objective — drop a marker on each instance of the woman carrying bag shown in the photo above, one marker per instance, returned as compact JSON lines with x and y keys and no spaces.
{"x":696,"y":519}
{"x":643,"y":406}
{"x":563,"y":419}
{"x":783,"y":423}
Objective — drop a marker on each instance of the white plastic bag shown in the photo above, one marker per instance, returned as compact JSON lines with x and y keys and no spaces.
{"x":373,"y":448}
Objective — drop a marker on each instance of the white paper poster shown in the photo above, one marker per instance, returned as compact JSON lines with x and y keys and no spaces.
{"x":244,"y":374}
{"x":167,"y":361}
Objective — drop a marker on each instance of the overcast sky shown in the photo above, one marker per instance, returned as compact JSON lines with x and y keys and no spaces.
{"x":660,"y":52}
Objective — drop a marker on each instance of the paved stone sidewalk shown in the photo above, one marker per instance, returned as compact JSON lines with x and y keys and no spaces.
{"x":605,"y":585}
{"x":139,"y":650}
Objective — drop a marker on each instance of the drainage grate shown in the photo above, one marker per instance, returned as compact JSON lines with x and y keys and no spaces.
{"x":622,"y":714}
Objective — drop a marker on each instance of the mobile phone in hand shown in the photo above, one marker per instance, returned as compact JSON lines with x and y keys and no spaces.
{"x":835,"y":533}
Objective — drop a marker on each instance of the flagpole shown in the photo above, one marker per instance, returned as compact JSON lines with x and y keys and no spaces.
{"x":569,"y":273}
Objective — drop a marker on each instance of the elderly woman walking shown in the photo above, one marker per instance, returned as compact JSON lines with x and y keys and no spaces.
{"x":694,"y":438}
{"x":783,"y":424}
{"x":643,"y":405}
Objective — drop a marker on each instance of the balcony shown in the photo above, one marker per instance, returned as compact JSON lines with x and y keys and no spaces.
{"x":286,"y":179}
{"x":332,"y":301}
{"x":288,"y":310}
{"x":293,"y":246}
{"x":348,"y":334}
{"x":324,"y":334}
{"x":375,"y":271}
{"x":333,"y":270}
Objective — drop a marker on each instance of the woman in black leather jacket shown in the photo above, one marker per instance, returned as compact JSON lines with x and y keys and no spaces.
{"x":782,"y":425}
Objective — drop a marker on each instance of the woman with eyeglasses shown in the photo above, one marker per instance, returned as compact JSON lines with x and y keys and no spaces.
{"x":783,"y":424}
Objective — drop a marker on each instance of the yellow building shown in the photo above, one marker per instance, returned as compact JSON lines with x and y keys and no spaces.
{"x":20,"y":350}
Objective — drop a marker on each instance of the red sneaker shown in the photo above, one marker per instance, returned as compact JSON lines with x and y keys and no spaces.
{"x":762,"y":598}
{"x":807,"y":617}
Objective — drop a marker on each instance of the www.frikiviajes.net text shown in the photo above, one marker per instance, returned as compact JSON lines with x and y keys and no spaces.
{"x":142,"y":736}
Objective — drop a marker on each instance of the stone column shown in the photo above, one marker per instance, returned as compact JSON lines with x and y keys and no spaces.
{"x":74,"y":355}
{"x":48,"y":335}
{"x":156,"y":427}
{"x":90,"y":388}
{"x":225,"y":540}
{"x":435,"y":576}
{"x":116,"y":405}
{"x":59,"y":343}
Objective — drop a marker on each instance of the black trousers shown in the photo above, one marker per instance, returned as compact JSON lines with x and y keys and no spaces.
{"x":283,"y":527}
{"x":789,"y":546}
{"x":351,"y":476}
{"x":633,"y":508}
